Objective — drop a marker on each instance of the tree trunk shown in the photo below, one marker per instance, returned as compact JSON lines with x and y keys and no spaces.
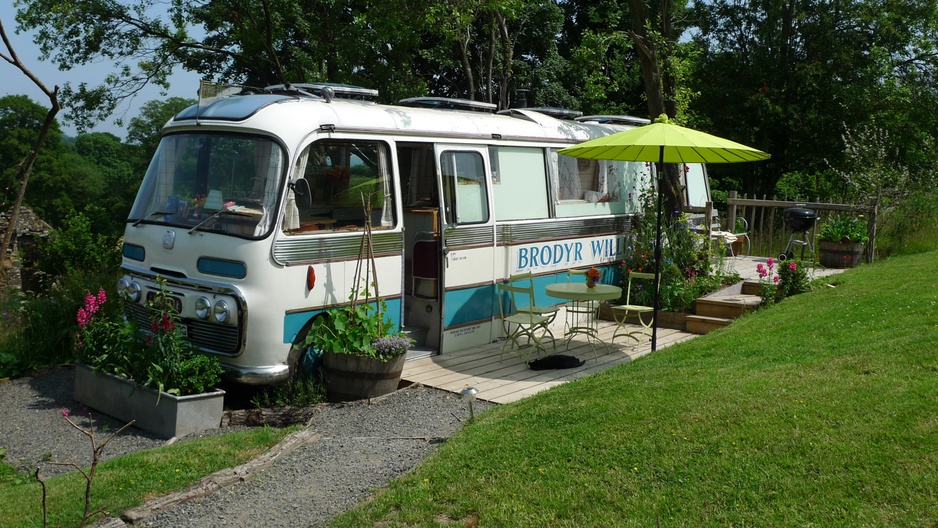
{"x":467,"y":66}
{"x":26,"y":166}
{"x":655,"y":95}
{"x":508,"y":53}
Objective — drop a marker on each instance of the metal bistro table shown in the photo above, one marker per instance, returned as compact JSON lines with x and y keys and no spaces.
{"x":583,"y":301}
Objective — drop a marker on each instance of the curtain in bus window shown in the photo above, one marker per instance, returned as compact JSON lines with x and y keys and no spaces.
{"x":569,"y":178}
{"x":387,"y":205}
{"x":291,"y":214}
{"x":695,"y":181}
{"x":267,"y":166}
{"x":521,"y":173}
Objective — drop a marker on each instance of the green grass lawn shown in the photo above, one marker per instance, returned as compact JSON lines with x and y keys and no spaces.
{"x":128,"y":481}
{"x":820,"y":411}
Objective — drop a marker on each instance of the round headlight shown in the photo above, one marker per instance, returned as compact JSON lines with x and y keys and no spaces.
{"x":133,"y":291}
{"x":122,"y":286}
{"x":222,"y":312}
{"x":203,"y":307}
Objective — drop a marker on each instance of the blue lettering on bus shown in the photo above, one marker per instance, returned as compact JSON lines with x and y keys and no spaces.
{"x":567,"y":254}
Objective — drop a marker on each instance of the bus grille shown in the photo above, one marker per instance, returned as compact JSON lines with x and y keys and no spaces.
{"x":223,"y":339}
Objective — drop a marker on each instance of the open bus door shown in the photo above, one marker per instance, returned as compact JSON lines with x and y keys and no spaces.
{"x":467,"y":241}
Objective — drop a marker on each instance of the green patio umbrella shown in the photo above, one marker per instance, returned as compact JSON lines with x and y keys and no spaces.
{"x":663,"y":142}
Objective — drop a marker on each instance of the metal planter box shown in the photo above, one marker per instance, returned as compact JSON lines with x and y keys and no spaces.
{"x":160,"y":413}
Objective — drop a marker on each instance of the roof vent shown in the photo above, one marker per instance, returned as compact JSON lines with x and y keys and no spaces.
{"x":446,"y":103}
{"x":327,"y":91}
{"x":556,"y":113}
{"x":613,"y":120}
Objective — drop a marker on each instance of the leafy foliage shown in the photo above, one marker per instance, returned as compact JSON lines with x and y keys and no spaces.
{"x":359,"y":328}
{"x":165,"y":361}
{"x":844,"y":228}
{"x":686,"y":270}
{"x":791,"y":278}
{"x":74,"y":248}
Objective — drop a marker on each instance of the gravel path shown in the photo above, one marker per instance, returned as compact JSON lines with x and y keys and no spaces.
{"x":357,"y":448}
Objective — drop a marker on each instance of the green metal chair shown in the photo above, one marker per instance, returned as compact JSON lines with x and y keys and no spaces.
{"x":521,"y":321}
{"x":548,"y":311}
{"x":621,"y":312}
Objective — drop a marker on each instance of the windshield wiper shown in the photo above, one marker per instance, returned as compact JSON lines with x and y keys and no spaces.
{"x":154,"y":213}
{"x":215,"y":215}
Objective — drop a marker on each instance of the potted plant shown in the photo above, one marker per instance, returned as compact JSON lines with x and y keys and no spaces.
{"x":154,"y":376}
{"x":361,"y":356}
{"x":841,"y":240}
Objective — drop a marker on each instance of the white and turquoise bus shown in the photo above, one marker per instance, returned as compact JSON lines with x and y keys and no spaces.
{"x":251,"y":212}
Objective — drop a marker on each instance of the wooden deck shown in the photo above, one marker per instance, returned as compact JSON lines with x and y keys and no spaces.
{"x":510,"y":380}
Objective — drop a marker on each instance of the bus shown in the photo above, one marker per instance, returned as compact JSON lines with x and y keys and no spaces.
{"x":250,"y":215}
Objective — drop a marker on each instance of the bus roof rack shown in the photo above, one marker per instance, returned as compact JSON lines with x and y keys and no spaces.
{"x":613,"y":120}
{"x":552,"y":111}
{"x":325,"y":90}
{"x":448,"y":103}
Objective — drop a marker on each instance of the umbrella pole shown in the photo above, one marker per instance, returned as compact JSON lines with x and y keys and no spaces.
{"x":657,"y":281}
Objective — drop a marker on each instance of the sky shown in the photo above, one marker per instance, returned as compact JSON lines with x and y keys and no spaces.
{"x":14,"y":82}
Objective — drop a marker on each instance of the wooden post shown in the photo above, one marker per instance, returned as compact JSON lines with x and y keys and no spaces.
{"x":731,"y":213}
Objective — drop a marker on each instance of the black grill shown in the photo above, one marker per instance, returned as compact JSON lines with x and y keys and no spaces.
{"x":799,"y":220}
{"x":224,"y":339}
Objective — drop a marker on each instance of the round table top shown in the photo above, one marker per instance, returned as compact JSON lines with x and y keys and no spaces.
{"x":579,"y":291}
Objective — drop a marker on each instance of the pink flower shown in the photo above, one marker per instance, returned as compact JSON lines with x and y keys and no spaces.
{"x":771,"y":262}
{"x":83,"y":318}
{"x":775,"y":279}
{"x":761,"y":270}
{"x":102,"y":297}
{"x":65,"y":413}
{"x":792,"y":266}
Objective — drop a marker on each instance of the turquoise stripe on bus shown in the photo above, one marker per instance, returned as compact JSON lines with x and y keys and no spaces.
{"x":469,"y":305}
{"x":294,"y":322}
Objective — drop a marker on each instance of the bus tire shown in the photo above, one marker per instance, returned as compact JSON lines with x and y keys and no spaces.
{"x":302,"y":360}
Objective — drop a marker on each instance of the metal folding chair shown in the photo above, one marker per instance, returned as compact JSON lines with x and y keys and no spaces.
{"x":520,"y":321}
{"x":621,"y":312}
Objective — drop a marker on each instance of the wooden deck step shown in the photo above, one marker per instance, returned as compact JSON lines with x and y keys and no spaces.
{"x":726,"y":307}
{"x":700,"y":324}
{"x":751,"y":287}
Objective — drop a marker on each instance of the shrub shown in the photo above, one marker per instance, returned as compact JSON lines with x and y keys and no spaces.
{"x":162,"y":359}
{"x":686,"y":271}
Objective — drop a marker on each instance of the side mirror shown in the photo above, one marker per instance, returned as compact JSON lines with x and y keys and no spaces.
{"x":302,"y":193}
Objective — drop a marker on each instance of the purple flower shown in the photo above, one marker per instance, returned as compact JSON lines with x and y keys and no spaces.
{"x":394,"y":345}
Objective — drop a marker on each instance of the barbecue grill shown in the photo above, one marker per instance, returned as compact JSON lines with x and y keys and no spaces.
{"x":800,"y":221}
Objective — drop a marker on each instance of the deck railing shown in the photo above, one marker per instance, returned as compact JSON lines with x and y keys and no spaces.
{"x":768,"y":234}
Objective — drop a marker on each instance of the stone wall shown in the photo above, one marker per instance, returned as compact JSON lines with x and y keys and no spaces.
{"x":29,"y":229}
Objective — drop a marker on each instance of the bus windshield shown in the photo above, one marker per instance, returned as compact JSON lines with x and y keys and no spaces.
{"x":224,"y":183}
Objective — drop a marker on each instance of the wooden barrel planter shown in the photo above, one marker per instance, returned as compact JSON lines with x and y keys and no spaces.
{"x":839,"y":254}
{"x":351,"y":377}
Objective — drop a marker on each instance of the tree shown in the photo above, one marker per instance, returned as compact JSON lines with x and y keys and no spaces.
{"x":790,"y":76}
{"x":26,"y":165}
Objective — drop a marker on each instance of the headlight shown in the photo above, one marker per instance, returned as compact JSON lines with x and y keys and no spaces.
{"x":222,"y":312}
{"x":122,"y":286}
{"x":133,"y":291}
{"x":203,"y":307}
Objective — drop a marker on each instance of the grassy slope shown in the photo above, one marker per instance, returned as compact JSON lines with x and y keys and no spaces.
{"x":818,"y":411}
{"x":129,"y":480}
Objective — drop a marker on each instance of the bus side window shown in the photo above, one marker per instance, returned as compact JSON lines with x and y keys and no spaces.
{"x":465,"y":195}
{"x":341,"y":173}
